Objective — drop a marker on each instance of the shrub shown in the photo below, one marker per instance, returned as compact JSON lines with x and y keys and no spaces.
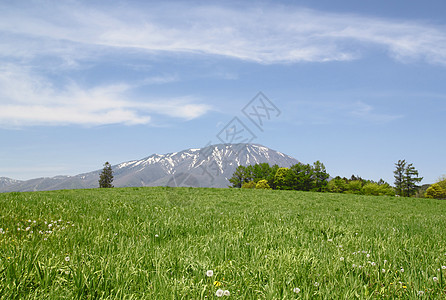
{"x":249,"y":185}
{"x":435,"y":191}
{"x":263,"y":184}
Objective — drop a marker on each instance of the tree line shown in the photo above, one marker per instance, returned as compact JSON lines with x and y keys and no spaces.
{"x":306,"y":177}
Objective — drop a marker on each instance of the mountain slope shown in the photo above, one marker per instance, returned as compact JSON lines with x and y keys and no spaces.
{"x":5,"y":181}
{"x":211,"y":166}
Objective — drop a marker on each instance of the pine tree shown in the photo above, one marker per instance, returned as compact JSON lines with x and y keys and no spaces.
{"x":399,"y":176}
{"x":106,"y":177}
{"x":406,"y":179}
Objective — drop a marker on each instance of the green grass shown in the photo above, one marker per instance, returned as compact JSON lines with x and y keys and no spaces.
{"x":158,"y":243}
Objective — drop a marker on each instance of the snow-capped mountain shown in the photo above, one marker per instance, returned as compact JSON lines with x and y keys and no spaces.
{"x":5,"y":181}
{"x":211,"y":166}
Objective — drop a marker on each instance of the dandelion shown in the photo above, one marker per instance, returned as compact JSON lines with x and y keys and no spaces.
{"x":18,"y":229}
{"x":341,"y":258}
{"x":373,"y":263}
{"x":209,"y":273}
{"x":226,"y":293}
{"x":368,"y":255}
{"x":27,"y":228}
{"x":296,"y":290}
{"x":420,"y":293}
{"x":29,"y":221}
{"x":67,"y":259}
{"x":383,"y":270}
{"x":402,"y":270}
{"x":156,"y":235}
{"x":219,"y":293}
{"x":404,"y":287}
{"x":316,"y":284}
{"x":435,"y":279}
{"x":217,"y":283}
{"x":385,"y":261}
{"x":443,"y":267}
{"x":354,"y":265}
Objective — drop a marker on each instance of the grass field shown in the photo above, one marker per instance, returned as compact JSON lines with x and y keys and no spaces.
{"x":159,"y":243}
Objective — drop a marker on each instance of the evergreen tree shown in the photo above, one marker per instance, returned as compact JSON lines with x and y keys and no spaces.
{"x":106,"y":177}
{"x":400,"y":166}
{"x":406,"y":178}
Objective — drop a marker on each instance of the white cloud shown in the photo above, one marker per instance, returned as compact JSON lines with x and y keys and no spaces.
{"x":28,"y":99}
{"x":260,"y":33}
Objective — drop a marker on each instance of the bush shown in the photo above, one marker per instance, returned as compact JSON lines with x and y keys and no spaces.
{"x":263,"y":184}
{"x":249,"y":185}
{"x":378,"y":189}
{"x":435,"y":191}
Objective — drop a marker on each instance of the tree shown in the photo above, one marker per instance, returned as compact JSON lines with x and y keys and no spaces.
{"x":239,"y":177}
{"x":400,"y":166}
{"x":283,"y":179}
{"x":406,"y":178}
{"x":337,"y":185}
{"x":320,"y":177}
{"x":106,"y":177}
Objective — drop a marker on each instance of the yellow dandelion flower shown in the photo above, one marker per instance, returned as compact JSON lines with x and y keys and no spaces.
{"x":217,"y":283}
{"x":404,"y":287}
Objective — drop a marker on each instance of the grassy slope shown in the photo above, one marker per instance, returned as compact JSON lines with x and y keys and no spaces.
{"x":159,"y":242}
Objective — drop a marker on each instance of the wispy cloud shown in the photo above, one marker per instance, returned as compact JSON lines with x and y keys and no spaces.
{"x":263,"y":33}
{"x":27,"y":99}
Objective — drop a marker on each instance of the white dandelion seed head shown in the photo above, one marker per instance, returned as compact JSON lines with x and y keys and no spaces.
{"x":383,"y":270}
{"x":316,"y":283}
{"x":209,"y":273}
{"x":354,"y":265}
{"x":219,"y":293}
{"x":368,"y":255}
{"x":67,"y":258}
{"x":341,"y":258}
{"x":226,"y":293}
{"x":420,"y":293}
{"x":443,"y":267}
{"x":435,"y":279}
{"x":156,"y":235}
{"x":402,"y":270}
{"x":373,"y":263}
{"x":296,"y":290}
{"x":18,"y":229}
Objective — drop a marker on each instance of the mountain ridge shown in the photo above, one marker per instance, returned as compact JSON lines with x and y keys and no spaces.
{"x":210,"y":166}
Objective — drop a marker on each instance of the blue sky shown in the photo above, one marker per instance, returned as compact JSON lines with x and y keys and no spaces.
{"x":359,"y":84}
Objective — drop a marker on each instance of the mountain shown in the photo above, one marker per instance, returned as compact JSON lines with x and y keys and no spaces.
{"x":211,"y":166}
{"x":5,"y":181}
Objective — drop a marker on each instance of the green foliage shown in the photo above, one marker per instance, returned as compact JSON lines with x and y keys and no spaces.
{"x":263,"y":184}
{"x":406,"y":178}
{"x":435,"y":191}
{"x":354,"y":187}
{"x":283,"y":179}
{"x":106,"y":176}
{"x":158,"y":243}
{"x":376,"y":189}
{"x":320,"y":177}
{"x":337,"y":185}
{"x":249,"y":185}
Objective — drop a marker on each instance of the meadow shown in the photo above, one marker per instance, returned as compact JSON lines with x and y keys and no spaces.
{"x":191,"y":243}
